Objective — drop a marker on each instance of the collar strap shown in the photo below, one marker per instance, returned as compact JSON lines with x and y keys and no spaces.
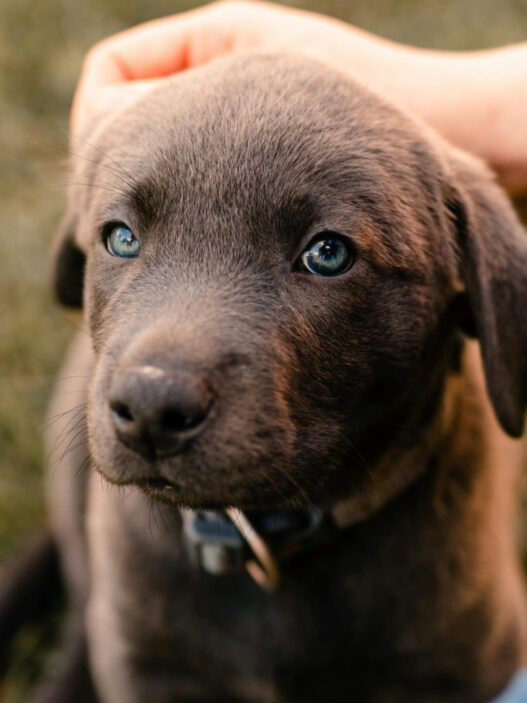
{"x":258,"y":541}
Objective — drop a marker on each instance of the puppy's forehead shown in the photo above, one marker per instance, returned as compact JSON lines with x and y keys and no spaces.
{"x":279,"y":143}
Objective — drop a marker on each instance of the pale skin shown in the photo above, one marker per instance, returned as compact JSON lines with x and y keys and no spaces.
{"x":477,"y":100}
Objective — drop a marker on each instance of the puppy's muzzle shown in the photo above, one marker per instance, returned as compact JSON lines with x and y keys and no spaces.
{"x":157,"y":412}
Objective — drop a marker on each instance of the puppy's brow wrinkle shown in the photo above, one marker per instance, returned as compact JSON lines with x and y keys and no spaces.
{"x":117,"y":168}
{"x":150,"y":199}
{"x":98,"y":164}
{"x":79,"y":155}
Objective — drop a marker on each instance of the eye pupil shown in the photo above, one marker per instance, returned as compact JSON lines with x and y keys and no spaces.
{"x":327,"y":255}
{"x":328,"y":249}
{"x":120,"y":241}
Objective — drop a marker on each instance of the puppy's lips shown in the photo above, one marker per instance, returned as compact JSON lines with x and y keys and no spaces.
{"x":178,"y":495}
{"x":160,"y":488}
{"x":169,"y":493}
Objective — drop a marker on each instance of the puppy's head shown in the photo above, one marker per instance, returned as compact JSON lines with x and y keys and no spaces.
{"x":277,"y":266}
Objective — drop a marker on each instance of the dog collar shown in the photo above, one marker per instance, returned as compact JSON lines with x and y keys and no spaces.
{"x":258,"y":541}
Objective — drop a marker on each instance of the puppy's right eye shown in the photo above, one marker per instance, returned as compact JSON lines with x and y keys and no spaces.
{"x":120,"y":241}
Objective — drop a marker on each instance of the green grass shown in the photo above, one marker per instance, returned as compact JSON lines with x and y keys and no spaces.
{"x":41,"y":48}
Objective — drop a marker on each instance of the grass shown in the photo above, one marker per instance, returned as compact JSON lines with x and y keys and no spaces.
{"x":41,"y":48}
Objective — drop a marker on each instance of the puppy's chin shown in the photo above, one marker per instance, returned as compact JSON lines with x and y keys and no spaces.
{"x":202,"y":479}
{"x":208,"y":495}
{"x":175,"y":495}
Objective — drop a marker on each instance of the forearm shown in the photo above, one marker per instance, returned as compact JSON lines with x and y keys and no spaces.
{"x":477,"y":100}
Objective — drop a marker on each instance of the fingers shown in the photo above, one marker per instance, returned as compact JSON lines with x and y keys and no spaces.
{"x":153,"y":50}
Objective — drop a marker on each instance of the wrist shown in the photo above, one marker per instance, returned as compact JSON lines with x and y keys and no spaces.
{"x":475,"y":100}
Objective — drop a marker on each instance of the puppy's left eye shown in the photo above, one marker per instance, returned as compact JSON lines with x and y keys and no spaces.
{"x":328,"y":254}
{"x":120,"y":241}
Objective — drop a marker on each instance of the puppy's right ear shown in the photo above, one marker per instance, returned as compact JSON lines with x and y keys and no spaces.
{"x":67,"y":274}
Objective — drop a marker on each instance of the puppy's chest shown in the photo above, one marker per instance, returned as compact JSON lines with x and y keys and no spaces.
{"x":227,"y":633}
{"x":338,"y":618}
{"x":322,"y":625}
{"x":228,"y":616}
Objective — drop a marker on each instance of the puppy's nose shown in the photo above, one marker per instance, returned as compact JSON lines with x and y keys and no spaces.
{"x":157,"y":412}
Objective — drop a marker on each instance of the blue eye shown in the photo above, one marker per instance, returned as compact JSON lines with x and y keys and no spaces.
{"x":120,"y":241}
{"x":328,"y":255}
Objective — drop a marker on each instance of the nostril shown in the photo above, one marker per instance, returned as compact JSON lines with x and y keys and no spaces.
{"x":158,"y":413}
{"x":173,"y":420}
{"x":122,"y":411}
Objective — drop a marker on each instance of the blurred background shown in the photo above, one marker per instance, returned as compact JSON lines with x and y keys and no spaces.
{"x":42,"y":43}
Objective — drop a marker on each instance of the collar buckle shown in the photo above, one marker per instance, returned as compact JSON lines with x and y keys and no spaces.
{"x":212,"y":541}
{"x":231,"y":541}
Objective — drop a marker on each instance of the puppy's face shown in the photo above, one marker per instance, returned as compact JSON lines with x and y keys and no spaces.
{"x":272,"y":284}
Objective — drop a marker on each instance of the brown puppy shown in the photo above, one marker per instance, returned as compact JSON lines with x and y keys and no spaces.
{"x":281,"y":273}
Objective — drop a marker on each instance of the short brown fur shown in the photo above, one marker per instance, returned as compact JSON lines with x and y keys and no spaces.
{"x":364,"y":387}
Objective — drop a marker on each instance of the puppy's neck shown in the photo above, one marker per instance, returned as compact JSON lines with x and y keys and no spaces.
{"x":450,"y":537}
{"x":416,"y":435}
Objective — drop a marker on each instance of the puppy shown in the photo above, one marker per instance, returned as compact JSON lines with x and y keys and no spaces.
{"x":282,"y":274}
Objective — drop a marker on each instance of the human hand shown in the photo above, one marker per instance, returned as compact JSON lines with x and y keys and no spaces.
{"x":477,"y":100}
{"x":120,"y":68}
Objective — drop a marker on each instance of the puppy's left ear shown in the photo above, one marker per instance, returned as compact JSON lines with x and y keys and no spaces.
{"x":493,"y":253}
{"x":67,"y":267}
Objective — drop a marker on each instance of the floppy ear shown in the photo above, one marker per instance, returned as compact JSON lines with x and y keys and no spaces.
{"x":67,"y":273}
{"x":493,"y":250}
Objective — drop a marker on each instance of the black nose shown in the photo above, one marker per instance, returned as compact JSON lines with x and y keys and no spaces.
{"x":157,"y":412}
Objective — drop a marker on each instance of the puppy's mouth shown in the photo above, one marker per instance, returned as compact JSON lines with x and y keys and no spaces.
{"x":178,"y":495}
{"x":161,"y":489}
{"x":175,"y":495}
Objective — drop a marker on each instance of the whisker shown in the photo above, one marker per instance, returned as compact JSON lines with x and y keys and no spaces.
{"x":57,"y":379}
{"x":298,"y":488}
{"x":162,"y":514}
{"x":79,"y":431}
{"x":83,"y":466}
{"x":83,"y":443}
{"x":118,"y":171}
{"x":99,"y":186}
{"x":152,"y":515}
{"x":48,"y":422}
{"x":69,"y":427}
{"x":119,"y":168}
